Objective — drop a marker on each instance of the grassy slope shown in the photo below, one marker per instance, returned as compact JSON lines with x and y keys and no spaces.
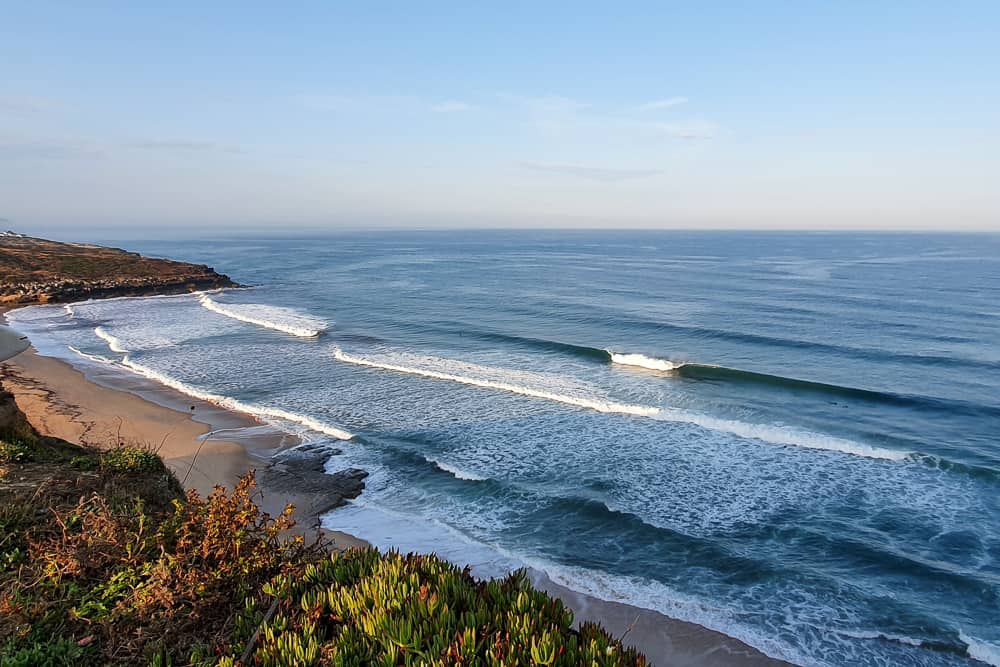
{"x":52,"y":268}
{"x":103,"y":560}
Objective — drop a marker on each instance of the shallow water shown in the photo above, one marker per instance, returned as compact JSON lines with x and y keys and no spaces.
{"x":791,"y":438}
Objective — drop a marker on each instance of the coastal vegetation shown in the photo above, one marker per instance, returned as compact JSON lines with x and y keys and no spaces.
{"x":105,"y":560}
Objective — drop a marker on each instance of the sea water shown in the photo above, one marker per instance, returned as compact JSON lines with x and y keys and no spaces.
{"x":790,"y":438}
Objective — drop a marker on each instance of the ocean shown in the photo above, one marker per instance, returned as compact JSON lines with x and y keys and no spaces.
{"x":793,"y":438}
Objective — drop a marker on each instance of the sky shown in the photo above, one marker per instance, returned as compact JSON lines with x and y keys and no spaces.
{"x":161,"y":118}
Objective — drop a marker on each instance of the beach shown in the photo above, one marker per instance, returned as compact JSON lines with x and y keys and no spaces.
{"x":62,"y":401}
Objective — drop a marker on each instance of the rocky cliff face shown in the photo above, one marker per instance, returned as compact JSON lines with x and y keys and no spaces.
{"x":40,"y":271}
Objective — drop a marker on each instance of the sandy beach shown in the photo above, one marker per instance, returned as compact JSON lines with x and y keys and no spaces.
{"x":62,"y":401}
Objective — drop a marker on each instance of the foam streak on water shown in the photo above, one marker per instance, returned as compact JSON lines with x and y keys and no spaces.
{"x":577,"y":401}
{"x":982,"y":651}
{"x":278,"y":318}
{"x":229,"y":403}
{"x":783,"y":435}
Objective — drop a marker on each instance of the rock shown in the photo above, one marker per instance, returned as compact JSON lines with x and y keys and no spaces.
{"x":302,"y":471}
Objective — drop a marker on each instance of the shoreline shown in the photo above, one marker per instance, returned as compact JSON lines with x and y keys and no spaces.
{"x":203,"y":445}
{"x":206,"y":445}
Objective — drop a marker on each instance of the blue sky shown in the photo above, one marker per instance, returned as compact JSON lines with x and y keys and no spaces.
{"x":332,"y":115}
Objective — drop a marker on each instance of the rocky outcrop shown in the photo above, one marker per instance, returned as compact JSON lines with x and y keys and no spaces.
{"x":303,"y":470}
{"x":40,"y":271}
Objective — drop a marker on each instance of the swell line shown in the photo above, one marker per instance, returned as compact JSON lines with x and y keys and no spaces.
{"x":227,"y":402}
{"x":276,"y":318}
{"x":778,"y":435}
{"x":599,"y":406}
{"x":784,"y":435}
{"x":237,"y":405}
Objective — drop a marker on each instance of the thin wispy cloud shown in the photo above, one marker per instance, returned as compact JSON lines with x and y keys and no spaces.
{"x":451,"y":106}
{"x":47,"y":150}
{"x":668,"y":103}
{"x":184,"y":146}
{"x":592,"y":173}
{"x":357,"y":103}
{"x":363,"y":103}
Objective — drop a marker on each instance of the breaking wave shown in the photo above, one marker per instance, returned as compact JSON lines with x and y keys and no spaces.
{"x":114,"y":343}
{"x":980,"y":650}
{"x":458,"y":473}
{"x":276,"y":318}
{"x":578,"y":401}
{"x":779,"y":435}
{"x":643,"y":361}
{"x":783,"y":435}
{"x":259,"y":411}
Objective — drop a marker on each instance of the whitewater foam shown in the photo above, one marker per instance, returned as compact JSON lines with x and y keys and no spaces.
{"x":458,"y":473}
{"x":92,"y":357}
{"x":229,"y":403}
{"x":582,"y":402}
{"x":868,"y":634}
{"x":980,"y":650}
{"x":114,"y":343}
{"x":783,"y":435}
{"x":69,"y":310}
{"x":778,"y":435}
{"x":277,"y":318}
{"x":643,"y":361}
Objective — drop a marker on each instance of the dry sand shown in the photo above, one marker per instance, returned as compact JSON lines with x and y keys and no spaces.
{"x":60,"y":401}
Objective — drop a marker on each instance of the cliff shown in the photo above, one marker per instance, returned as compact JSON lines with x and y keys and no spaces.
{"x":40,"y":271}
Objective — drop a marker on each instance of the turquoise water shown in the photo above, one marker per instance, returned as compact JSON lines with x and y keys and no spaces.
{"x":792,"y":438}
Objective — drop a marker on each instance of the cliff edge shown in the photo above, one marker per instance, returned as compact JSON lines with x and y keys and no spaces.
{"x":41,"y":271}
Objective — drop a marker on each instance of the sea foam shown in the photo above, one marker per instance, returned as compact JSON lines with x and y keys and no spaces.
{"x":643,"y":361}
{"x":114,"y":343}
{"x":457,"y":473}
{"x":774,"y":434}
{"x":578,"y":401}
{"x":783,"y":435}
{"x":277,"y":318}
{"x":260,"y":411}
{"x":980,"y":650}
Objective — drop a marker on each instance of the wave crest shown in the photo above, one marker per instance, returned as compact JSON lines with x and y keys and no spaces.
{"x":114,"y":343}
{"x":980,"y":650}
{"x":643,"y":361}
{"x":784,"y":435}
{"x":276,"y":318}
{"x":578,"y":401}
{"x":259,"y":411}
{"x":458,"y":473}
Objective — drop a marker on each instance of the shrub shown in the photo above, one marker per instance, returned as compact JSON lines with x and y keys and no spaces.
{"x":15,"y":451}
{"x":55,"y":653}
{"x":365,"y":608}
{"x":131,"y":459}
{"x":107,"y":567}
